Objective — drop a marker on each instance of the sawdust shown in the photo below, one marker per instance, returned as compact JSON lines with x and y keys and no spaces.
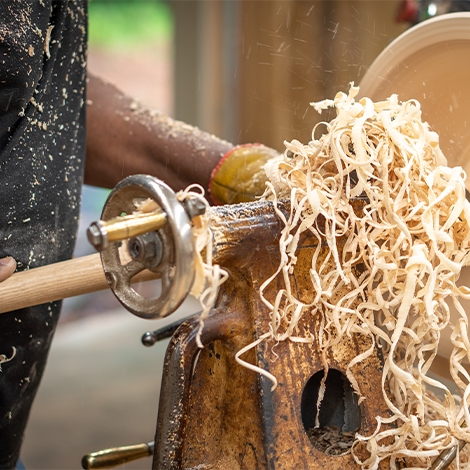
{"x":330,"y":440}
{"x":170,"y":129}
{"x":47,"y":41}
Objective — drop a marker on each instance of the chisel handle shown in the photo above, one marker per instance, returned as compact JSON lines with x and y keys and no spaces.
{"x":57,"y":281}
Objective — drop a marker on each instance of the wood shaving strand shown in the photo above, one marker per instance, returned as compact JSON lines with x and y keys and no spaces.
{"x":412,"y":238}
{"x":208,"y":276}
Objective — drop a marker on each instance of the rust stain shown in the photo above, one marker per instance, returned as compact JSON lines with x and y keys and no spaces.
{"x":230,"y":417}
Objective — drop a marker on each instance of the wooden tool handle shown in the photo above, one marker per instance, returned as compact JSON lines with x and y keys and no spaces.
{"x":57,"y":281}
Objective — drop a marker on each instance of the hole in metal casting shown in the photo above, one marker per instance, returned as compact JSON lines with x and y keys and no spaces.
{"x":332,"y":424}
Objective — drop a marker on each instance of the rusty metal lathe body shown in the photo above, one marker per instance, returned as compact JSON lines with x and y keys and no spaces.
{"x":213,"y":412}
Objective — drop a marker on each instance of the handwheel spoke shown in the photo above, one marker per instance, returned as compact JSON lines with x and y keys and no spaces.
{"x":132,"y":268}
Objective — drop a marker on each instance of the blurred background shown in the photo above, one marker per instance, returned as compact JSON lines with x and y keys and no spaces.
{"x":243,"y":70}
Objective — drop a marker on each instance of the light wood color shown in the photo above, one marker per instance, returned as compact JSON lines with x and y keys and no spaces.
{"x":57,"y":281}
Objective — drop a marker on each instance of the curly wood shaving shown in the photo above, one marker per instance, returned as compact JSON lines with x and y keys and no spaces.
{"x":413,"y":237}
{"x":208,"y":276}
{"x":4,"y":358}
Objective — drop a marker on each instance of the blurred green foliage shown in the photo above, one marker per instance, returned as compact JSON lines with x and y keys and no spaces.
{"x":127,"y":23}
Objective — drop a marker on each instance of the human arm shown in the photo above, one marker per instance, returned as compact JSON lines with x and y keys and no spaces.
{"x":124,"y":138}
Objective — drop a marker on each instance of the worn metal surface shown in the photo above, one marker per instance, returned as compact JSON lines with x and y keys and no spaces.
{"x":176,"y":265}
{"x":215,"y":414}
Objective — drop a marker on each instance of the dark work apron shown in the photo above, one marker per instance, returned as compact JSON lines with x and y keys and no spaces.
{"x":42,"y":152}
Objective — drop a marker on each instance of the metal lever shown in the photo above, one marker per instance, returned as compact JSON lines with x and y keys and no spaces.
{"x":151,"y":337}
{"x":101,"y":233}
{"x":115,"y":456}
{"x":446,"y":457}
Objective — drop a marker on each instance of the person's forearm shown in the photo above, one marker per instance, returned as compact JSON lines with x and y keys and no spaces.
{"x":124,"y":138}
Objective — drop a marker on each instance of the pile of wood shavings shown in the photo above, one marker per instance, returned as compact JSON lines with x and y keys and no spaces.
{"x":413,"y":237}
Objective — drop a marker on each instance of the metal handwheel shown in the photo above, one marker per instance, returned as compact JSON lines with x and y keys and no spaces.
{"x":166,"y":249}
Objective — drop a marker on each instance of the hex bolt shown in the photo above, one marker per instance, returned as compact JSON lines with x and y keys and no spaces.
{"x":194,"y":206}
{"x":146,"y":249}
